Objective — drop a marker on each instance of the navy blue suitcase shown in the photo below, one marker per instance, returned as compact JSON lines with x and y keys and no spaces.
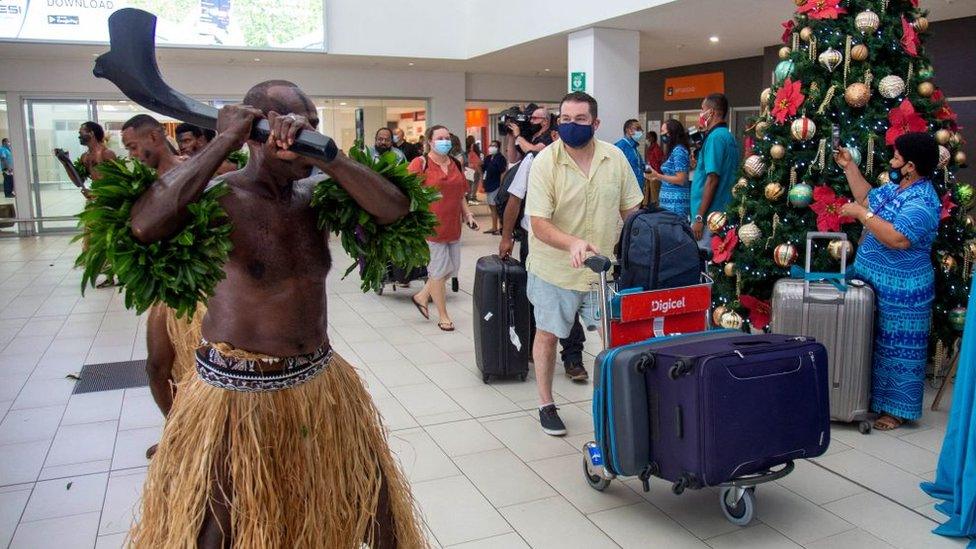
{"x":705,"y":409}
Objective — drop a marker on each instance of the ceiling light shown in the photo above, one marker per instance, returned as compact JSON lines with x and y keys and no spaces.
{"x":547,"y":70}
{"x":343,"y":104}
{"x":713,"y":39}
{"x":257,"y":58}
{"x":410,"y":63}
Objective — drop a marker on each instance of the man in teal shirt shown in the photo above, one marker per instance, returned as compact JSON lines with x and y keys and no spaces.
{"x":7,"y":165}
{"x":629,"y":144}
{"x":717,"y":167}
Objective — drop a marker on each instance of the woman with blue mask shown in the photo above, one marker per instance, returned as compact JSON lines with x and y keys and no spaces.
{"x":446,"y":174}
{"x":675,"y":193}
{"x":900,"y":220}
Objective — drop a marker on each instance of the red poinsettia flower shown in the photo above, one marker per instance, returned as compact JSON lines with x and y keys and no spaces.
{"x":822,"y":9}
{"x":909,"y":38}
{"x":947,"y":206}
{"x":788,"y":100}
{"x":722,"y":248}
{"x":945,"y":112}
{"x":827,"y":206}
{"x":903,"y":119}
{"x":759,"y":311}
{"x":788,"y":32}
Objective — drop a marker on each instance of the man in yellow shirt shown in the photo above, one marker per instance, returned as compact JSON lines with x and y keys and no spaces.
{"x":578,"y":187}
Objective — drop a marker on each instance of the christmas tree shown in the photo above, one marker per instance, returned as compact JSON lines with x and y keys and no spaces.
{"x":854,"y":68}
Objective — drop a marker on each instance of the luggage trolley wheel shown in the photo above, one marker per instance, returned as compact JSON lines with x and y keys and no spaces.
{"x":379,"y":291}
{"x":864,"y":427}
{"x":596,"y":481}
{"x":740,"y":512}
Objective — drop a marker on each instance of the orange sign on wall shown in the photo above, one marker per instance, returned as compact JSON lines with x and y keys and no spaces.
{"x":476,"y":118}
{"x":694,"y":86}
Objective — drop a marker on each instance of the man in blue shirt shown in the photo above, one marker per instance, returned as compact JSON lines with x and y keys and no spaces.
{"x":717,"y":166}
{"x":630,"y":145}
{"x":7,"y":165}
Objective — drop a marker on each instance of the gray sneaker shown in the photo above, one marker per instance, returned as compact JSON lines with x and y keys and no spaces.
{"x":551,"y":424}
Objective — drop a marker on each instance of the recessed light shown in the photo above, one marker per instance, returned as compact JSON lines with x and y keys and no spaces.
{"x":257,"y":58}
{"x":410,"y":63}
{"x":713,"y":39}
{"x":547,"y":70}
{"x":343,"y":104}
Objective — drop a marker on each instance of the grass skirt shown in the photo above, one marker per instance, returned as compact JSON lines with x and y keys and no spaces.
{"x":304,"y":467}
{"x":185,"y":337}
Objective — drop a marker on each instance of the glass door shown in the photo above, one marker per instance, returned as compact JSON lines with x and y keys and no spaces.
{"x":54,"y":125}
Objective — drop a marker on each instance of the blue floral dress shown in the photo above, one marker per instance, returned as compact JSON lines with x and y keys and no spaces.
{"x":903,"y":282}
{"x":676,"y":198}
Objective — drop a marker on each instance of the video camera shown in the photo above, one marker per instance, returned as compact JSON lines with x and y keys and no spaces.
{"x":696,"y":137}
{"x":520,"y":117}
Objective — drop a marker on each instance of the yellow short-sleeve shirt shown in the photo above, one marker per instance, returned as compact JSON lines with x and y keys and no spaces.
{"x":587,"y":206}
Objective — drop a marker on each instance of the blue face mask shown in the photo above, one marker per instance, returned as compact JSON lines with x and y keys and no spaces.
{"x":665,"y":139}
{"x":575,"y":135}
{"x":637,"y":136}
{"x":442,"y":146}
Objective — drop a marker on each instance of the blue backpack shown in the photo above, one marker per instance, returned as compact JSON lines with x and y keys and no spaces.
{"x":657,"y":250}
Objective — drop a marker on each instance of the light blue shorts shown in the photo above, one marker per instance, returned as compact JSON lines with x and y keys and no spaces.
{"x":556,"y":308}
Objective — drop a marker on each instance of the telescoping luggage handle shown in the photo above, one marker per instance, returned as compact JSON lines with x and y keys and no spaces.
{"x":838,"y":280}
{"x":601,"y":265}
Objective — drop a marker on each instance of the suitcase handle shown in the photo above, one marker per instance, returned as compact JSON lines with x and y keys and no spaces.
{"x":838,"y":279}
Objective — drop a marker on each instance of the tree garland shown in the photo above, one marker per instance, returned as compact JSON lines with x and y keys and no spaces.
{"x":179,"y":271}
{"x":81,"y":169}
{"x":239,"y":158}
{"x":402,"y":244}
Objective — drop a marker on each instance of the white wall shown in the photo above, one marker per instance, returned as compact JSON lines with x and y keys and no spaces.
{"x":500,"y":87}
{"x":397,"y":28}
{"x":610,"y":58}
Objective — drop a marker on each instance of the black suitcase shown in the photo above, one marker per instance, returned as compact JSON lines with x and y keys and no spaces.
{"x":501,"y":318}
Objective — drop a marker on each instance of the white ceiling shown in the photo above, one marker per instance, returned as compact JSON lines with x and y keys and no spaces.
{"x":672,"y":34}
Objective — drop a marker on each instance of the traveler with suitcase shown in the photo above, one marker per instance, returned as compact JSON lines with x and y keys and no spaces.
{"x":578,"y":187}
{"x":900,"y":220}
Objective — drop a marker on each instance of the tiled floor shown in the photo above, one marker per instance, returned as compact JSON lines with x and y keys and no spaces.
{"x":72,"y":467}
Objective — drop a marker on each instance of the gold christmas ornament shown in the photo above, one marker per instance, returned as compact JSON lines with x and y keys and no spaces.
{"x":883,"y":178}
{"x":799,"y":2}
{"x":754,"y":166}
{"x":749,"y":234}
{"x":867,"y":21}
{"x":774,"y":191}
{"x":717,"y":313}
{"x":784,"y":52}
{"x":926,"y":89}
{"x":859,"y":52}
{"x":891,"y":86}
{"x":956,"y":139}
{"x":729,"y":269}
{"x":777,"y":151}
{"x":831,"y":59}
{"x":716,"y":221}
{"x":921,"y":24}
{"x":803,"y":128}
{"x":806,"y":33}
{"x":949,"y":263}
{"x":838,"y":247}
{"x":944,"y":156}
{"x":784,"y":255}
{"x":740,"y":187}
{"x":761,"y":129}
{"x":857,"y":95}
{"x":970,"y":221}
{"x":959,"y":158}
{"x":731,"y":320}
{"x":943,"y":136}
{"x":766,"y":96}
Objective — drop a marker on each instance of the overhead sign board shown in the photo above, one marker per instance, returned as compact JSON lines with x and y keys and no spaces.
{"x":694,"y":86}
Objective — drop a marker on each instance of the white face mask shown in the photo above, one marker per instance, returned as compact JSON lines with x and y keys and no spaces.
{"x":492,"y":150}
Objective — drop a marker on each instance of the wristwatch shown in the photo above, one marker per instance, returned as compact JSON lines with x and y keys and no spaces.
{"x":867,"y":217}
{"x":699,"y":219}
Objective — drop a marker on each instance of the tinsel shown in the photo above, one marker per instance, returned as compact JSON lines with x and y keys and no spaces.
{"x":827,"y":98}
{"x":847,"y":58}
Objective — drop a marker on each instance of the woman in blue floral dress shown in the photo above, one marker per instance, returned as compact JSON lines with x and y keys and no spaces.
{"x":675,"y":191}
{"x":901,"y":220}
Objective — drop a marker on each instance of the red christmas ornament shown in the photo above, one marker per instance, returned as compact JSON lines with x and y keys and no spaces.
{"x":827,"y":205}
{"x":909,"y":38}
{"x":788,"y":32}
{"x":903,"y":119}
{"x":722,"y":248}
{"x":947,"y":206}
{"x":914,"y":3}
{"x":945,"y":112}
{"x":822,"y":9}
{"x":759,"y":311}
{"x":788,"y":100}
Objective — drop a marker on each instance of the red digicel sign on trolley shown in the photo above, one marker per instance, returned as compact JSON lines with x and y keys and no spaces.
{"x":657,"y":313}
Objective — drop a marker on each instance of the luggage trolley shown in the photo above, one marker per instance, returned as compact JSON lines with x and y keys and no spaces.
{"x":626,"y":317}
{"x":395,"y":276}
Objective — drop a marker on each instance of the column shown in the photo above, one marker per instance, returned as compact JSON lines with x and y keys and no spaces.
{"x":22,"y":165}
{"x":609,"y":61}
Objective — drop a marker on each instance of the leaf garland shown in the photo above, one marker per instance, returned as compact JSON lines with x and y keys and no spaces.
{"x":402,"y":244}
{"x":238,"y":157}
{"x":180,"y":271}
{"x":81,"y":169}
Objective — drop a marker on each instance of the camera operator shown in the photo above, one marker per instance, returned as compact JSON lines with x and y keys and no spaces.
{"x":517,"y":145}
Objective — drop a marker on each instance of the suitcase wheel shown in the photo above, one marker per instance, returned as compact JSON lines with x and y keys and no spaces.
{"x":596,"y":481}
{"x":864,"y":427}
{"x":739,"y":512}
{"x":523,"y":377}
{"x":484,"y":378}
{"x":379,"y":291}
{"x":678,"y":369}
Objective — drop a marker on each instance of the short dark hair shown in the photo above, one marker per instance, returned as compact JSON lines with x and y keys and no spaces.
{"x":719,"y":102}
{"x":209,"y":134}
{"x":186,"y":127}
{"x":96,"y":129}
{"x":4,"y":140}
{"x":630,"y":124}
{"x":259,"y":98}
{"x":652,"y":136}
{"x":495,"y":142}
{"x":580,"y":97}
{"x":383,"y":129}
{"x":920,"y":149}
{"x":139,"y":122}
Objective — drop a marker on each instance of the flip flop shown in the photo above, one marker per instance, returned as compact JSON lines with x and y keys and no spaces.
{"x":888,"y":422}
{"x":446,"y":326}
{"x":422,"y":308}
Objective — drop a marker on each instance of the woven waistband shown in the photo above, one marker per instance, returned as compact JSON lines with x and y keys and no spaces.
{"x":246,"y":375}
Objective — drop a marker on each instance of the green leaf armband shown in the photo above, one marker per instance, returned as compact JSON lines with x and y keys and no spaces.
{"x":179,"y":271}
{"x":81,"y":169}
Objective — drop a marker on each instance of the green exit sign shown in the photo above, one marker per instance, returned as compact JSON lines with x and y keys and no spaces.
{"x":577,"y":82}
